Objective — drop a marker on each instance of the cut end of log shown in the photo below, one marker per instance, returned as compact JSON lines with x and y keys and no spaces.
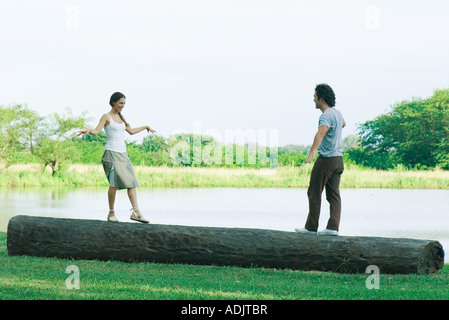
{"x":432,"y":258}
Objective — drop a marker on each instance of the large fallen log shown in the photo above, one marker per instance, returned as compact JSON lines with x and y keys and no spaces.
{"x":132,"y":242}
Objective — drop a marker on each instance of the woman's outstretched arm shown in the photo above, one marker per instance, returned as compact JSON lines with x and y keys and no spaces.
{"x":103,"y":121}
{"x":137,"y":130}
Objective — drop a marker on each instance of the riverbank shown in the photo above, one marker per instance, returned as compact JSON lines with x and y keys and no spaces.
{"x":32,"y":175}
{"x":33,"y":278}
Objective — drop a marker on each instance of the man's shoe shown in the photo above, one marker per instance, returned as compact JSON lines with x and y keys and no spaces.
{"x":328,"y":232}
{"x":304,"y":230}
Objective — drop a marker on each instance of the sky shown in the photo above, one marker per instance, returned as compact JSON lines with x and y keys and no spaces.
{"x":222,"y":67}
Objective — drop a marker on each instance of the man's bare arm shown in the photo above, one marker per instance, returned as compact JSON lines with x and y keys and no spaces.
{"x":317,"y":142}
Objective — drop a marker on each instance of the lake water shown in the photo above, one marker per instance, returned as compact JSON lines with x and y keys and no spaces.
{"x":418,"y":214}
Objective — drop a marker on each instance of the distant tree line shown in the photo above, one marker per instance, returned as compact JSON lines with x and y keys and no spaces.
{"x":27,"y":137}
{"x":413,"y":134}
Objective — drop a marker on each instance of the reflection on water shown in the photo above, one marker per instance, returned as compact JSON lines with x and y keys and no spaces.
{"x":419,"y":214}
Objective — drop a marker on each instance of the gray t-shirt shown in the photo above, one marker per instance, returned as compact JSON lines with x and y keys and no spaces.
{"x":331,"y":144}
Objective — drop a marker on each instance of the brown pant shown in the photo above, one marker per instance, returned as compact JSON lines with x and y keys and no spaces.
{"x":326,"y":172}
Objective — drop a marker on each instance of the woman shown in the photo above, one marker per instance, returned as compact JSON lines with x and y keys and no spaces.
{"x":116,"y":162}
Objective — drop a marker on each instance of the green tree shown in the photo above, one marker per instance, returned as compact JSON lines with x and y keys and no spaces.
{"x":193,"y":149}
{"x":9,"y":130}
{"x":56,"y":147}
{"x":91,"y":147}
{"x":19,"y":129}
{"x":350,"y":141}
{"x":414,"y":132}
{"x":155,"y":149}
{"x":294,"y":160}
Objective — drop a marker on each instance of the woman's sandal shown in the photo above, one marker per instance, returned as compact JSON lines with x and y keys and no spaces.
{"x":112,"y":218}
{"x":135,"y":217}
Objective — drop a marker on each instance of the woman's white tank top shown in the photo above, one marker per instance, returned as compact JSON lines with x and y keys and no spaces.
{"x":116,"y":136}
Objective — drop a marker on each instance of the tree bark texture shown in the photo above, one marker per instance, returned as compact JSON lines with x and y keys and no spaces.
{"x":133,"y":242}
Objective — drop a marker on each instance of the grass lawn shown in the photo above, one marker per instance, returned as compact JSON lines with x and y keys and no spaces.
{"x":31,"y":278}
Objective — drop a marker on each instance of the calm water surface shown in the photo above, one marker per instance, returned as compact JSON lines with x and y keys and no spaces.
{"x":419,"y":214}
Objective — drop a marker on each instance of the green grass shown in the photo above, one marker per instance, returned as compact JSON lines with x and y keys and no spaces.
{"x":32,"y":278}
{"x":168,"y":177}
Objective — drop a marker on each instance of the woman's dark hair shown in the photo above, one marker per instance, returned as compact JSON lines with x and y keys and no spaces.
{"x":325,"y":91}
{"x":116,"y":96}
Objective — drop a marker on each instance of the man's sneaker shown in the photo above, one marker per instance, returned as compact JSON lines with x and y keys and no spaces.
{"x":328,"y":232}
{"x":304,"y":230}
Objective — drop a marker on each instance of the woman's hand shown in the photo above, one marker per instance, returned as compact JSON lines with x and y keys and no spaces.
{"x":149,"y":129}
{"x":85,"y":131}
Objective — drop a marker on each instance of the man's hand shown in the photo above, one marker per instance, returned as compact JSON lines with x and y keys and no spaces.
{"x":310,"y":157}
{"x":322,"y":130}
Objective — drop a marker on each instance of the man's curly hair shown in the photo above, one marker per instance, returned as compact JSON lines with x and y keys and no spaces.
{"x":325,"y":91}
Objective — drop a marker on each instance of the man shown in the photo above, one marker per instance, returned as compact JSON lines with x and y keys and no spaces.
{"x":327,"y":170}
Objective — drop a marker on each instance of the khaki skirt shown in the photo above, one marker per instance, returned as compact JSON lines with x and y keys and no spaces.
{"x":119,"y":170}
